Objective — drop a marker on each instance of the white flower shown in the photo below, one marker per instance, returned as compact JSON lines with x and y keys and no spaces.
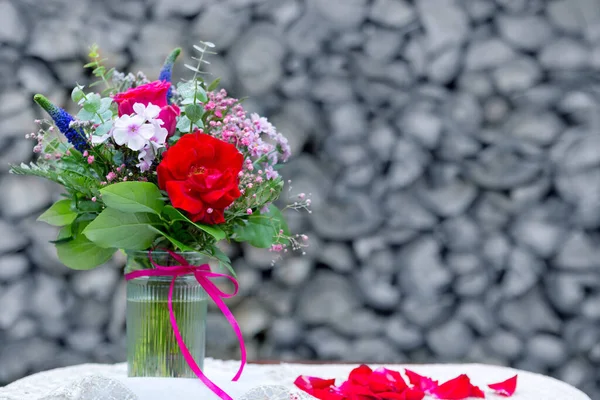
{"x":132,"y":131}
{"x":149,"y":112}
{"x":146,"y":157}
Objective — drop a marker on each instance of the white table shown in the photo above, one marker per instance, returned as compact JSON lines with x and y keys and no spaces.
{"x":36,"y":387}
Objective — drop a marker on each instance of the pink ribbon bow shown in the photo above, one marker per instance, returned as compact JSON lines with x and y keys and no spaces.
{"x":203,"y":275}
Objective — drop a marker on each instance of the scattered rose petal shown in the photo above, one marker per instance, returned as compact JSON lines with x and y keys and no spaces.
{"x":360,"y":375}
{"x":317,"y":387}
{"x":424,"y":383}
{"x":506,"y":388}
{"x":477,"y":392}
{"x":384,"y":380}
{"x":458,"y":388}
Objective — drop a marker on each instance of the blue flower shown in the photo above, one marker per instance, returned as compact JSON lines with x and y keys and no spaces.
{"x":63,"y":120}
{"x":167,"y":70}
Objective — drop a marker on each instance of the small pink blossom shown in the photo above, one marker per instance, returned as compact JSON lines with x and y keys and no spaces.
{"x":94,"y":199}
{"x":85,"y":153}
{"x":209,"y":210}
{"x":111,"y":176}
{"x":249,"y":211}
{"x":90,"y":159}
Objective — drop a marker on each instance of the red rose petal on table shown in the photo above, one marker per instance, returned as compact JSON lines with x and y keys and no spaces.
{"x":458,"y":388}
{"x":386,"y":380}
{"x":423,"y":383}
{"x":506,"y":388}
{"x":477,"y":392}
{"x":360,"y":375}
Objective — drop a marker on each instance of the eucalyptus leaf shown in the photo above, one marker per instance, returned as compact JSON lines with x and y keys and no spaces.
{"x":214,"y":84}
{"x":183,"y":125}
{"x":77,"y":94}
{"x":194,"y":112}
{"x":104,"y":128}
{"x":133,"y":197}
{"x":92,"y":103}
{"x":59,"y":214}
{"x":122,"y":230}
{"x":85,"y":115}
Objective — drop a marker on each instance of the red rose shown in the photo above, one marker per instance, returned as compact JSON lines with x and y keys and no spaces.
{"x":200,"y":175}
{"x":155,"y":93}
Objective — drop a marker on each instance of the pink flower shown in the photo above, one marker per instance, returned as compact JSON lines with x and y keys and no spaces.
{"x":155,"y":93}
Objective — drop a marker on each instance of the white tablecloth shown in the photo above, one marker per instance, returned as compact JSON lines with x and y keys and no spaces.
{"x":39,"y":386}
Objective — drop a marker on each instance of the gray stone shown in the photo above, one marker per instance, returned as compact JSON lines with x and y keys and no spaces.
{"x":478,"y":83}
{"x":13,"y":29}
{"x":118,"y":310}
{"x":590,"y":309}
{"x":376,"y":350}
{"x":423,"y":272}
{"x":578,"y":152}
{"x":220,"y":338}
{"x":338,"y":257}
{"x":505,"y":344}
{"x":307,"y":34}
{"x":11,"y":238}
{"x":463,"y":263}
{"x":46,"y":34}
{"x":477,"y":316}
{"x":382,"y":44}
{"x":528,"y":32}
{"x":448,"y":199}
{"x":403,"y":334}
{"x":565,"y":15}
{"x":382,"y":139}
{"x":12,"y":101}
{"x":423,"y":126}
{"x":18,"y":358}
{"x":472,"y":284}
{"x":328,"y":295}
{"x":523,"y":272}
{"x":564,"y":53}
{"x":13,"y":266}
{"x":279,"y":301}
{"x":327,"y":344}
{"x":162,"y":36}
{"x":493,"y":211}
{"x":528,"y":314}
{"x":90,"y":313}
{"x":347,"y":218}
{"x":17,"y":124}
{"x":580,"y":335}
{"x":221,"y":25}
{"x":132,"y":9}
{"x":460,"y":233}
{"x":575,"y":372}
{"x":257,"y":59}
{"x":531,"y":194}
{"x":579,"y":251}
{"x":49,"y":297}
{"x":410,"y":161}
{"x":97,"y":283}
{"x":23,"y":328}
{"x":186,"y":8}
{"x":540,"y":236}
{"x":502,"y":168}
{"x":416,"y":55}
{"x":15,"y":299}
{"x":450,"y":341}
{"x":252,"y":318}
{"x":445,"y":23}
{"x":348,"y":121}
{"x":365,"y":247}
{"x":426,"y":312}
{"x":405,"y":211}
{"x":479,"y":10}
{"x":377,"y":290}
{"x":393,"y":13}
{"x":294,"y":271}
{"x":547,"y":350}
{"x":342,"y":13}
{"x":84,"y":340}
{"x":286,"y":332}
{"x":495,"y":109}
{"x":445,"y":66}
{"x":455,"y":146}
{"x":358,"y":323}
{"x":22,"y":196}
{"x":488,"y":53}
{"x":463,"y":113}
{"x":516,"y":75}
{"x":332,"y":90}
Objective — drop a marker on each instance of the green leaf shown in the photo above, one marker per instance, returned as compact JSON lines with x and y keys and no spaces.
{"x":194,"y":112}
{"x":223,"y":259}
{"x":64,"y":235}
{"x":104,"y":128}
{"x":261,"y":230}
{"x":133,"y":197}
{"x":105,"y":104}
{"x":201,"y":93}
{"x":181,"y":246}
{"x":122,"y":230}
{"x":184,"y":124}
{"x":60,"y":214}
{"x":82,"y":254}
{"x":172,"y":214}
{"x":186,"y":89}
{"x":85,"y":115}
{"x":214,"y":84}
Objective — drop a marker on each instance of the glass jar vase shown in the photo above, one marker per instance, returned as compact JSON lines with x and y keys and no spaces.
{"x":152,"y":350}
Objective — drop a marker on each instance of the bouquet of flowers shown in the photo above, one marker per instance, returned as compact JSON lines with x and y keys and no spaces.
{"x":157,"y":165}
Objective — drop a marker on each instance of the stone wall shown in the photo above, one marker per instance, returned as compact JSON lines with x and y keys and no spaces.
{"x":452,"y":149}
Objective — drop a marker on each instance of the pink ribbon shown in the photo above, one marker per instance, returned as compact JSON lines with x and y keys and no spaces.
{"x":203,"y":275}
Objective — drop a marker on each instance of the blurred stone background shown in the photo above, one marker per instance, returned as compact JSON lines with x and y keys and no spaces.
{"x":452,"y":148}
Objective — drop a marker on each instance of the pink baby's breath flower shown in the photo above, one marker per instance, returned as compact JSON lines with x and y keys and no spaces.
{"x":301,"y":196}
{"x":276,"y":248}
{"x":249,"y":211}
{"x":111,"y":176}
{"x":90,"y":159}
{"x":47,"y":156}
{"x":94,"y":199}
{"x":85,"y":153}
{"x":304,"y":237}
{"x":37,"y":149}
